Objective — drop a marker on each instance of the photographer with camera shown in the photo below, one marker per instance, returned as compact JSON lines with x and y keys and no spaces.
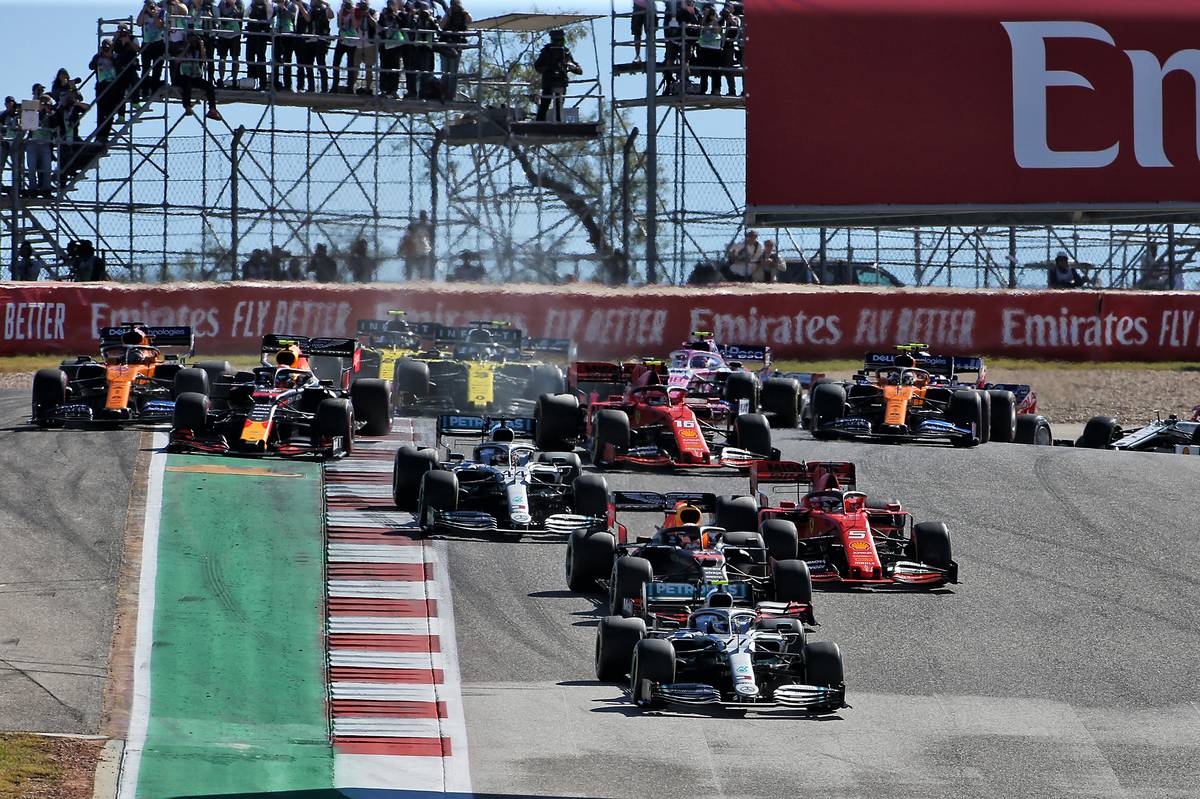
{"x":391,"y":42}
{"x":230,"y":14}
{"x":258,"y":34}
{"x":347,"y":43}
{"x":179,"y":19}
{"x":106,"y":89}
{"x":453,"y":26}
{"x":283,"y":23}
{"x":556,"y":65}
{"x":153,"y":22}
{"x":418,"y":66}
{"x":366,"y":52}
{"x":191,"y":76}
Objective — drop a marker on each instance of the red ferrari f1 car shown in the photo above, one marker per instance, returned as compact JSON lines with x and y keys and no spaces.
{"x":845,"y":538}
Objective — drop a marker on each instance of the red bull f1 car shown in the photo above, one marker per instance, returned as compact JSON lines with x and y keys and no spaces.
{"x":284,"y":408}
{"x":843,"y":537}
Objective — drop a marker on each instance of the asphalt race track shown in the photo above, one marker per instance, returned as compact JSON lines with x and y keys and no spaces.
{"x":1064,"y":664}
{"x":63,"y":502}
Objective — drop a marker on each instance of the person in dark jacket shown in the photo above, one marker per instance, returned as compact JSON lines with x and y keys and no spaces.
{"x":556,"y":65}
{"x":258,"y":34}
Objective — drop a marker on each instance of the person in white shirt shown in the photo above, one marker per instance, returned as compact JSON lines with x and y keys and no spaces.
{"x":744,"y":258}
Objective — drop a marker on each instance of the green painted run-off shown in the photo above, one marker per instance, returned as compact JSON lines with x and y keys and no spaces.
{"x":237,"y":668}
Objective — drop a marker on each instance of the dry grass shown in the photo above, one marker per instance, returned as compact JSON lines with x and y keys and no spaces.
{"x":42,"y":767}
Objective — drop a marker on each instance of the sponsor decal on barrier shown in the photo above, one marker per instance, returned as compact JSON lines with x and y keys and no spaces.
{"x":51,"y":318}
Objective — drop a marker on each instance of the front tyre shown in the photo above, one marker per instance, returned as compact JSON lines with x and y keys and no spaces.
{"x":589,"y":558}
{"x":49,"y":391}
{"x":372,"y":400}
{"x":334,"y":418}
{"x":653,"y":664}
{"x":616,"y":638}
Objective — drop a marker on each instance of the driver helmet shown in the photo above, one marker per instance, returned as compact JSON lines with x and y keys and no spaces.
{"x":712,"y":623}
{"x":492,"y":455}
{"x":142,"y":355}
{"x":908,"y":378}
{"x":479,"y":335}
{"x":287,"y":378}
{"x":893,"y":379}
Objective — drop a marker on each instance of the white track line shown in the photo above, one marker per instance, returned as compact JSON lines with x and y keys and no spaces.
{"x":378,"y":553}
{"x":387,"y":727}
{"x":383,"y":692}
{"x":371,"y":659}
{"x":382,"y":625}
{"x":383,"y":589}
{"x":139,"y":714}
{"x":457,"y":767}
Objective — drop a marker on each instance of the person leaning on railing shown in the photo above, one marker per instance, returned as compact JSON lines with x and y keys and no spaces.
{"x":153,"y":21}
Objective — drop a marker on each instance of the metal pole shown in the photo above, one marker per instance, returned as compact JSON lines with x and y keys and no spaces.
{"x":233,"y":199}
{"x":15,"y":202}
{"x":625,"y":209}
{"x":651,"y":142}
{"x":822,"y":253}
{"x":1171,"y":265}
{"x":1012,"y":257}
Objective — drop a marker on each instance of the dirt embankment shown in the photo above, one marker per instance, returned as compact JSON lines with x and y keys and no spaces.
{"x":1133,"y":396}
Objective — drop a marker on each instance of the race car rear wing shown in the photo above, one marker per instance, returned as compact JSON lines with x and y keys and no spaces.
{"x":946,"y":365}
{"x":652,"y":502}
{"x":800,"y":476}
{"x":177,"y":336}
{"x":550,"y":346}
{"x":369,"y":327}
{"x":742,"y":353}
{"x":501,"y":334}
{"x":316,"y":347}
{"x":454,"y":425}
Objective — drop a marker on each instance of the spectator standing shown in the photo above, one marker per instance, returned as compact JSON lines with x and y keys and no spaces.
{"x":86,"y":265}
{"x":204,"y":22}
{"x":391,"y":42}
{"x":125,"y":57}
{"x":1064,"y":276}
{"x":27,"y":266}
{"x":770,"y":266}
{"x":10,"y":131}
{"x":39,"y":148}
{"x":556,"y":65}
{"x":637,"y":26}
{"x":424,"y":31}
{"x":62,"y":88}
{"x":347,"y":43}
{"x":709,"y":44}
{"x":303,"y":51}
{"x":191,"y":76}
{"x":320,"y":15}
{"x":454,"y":25}
{"x":153,"y":21}
{"x":106,"y":89}
{"x":367,"y":51}
{"x":732,"y":32}
{"x":416,"y":248}
{"x":230,"y":14}
{"x":470,"y":268}
{"x":179,"y":17}
{"x":283,"y":24}
{"x":322,"y":267}
{"x":361,"y":265}
{"x":744,"y":258}
{"x":258,"y":33}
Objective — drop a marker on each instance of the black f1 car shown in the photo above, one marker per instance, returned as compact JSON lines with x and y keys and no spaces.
{"x":1160,"y":435}
{"x":285,"y":409}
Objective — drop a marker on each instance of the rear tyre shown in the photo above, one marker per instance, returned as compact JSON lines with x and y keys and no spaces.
{"x":49,"y":391}
{"x":828,"y":404}
{"x":629,"y":578}
{"x":557,"y":421}
{"x":193,"y":380}
{"x":545,"y":379}
{"x":966,"y":411}
{"x":335,"y":417}
{"x":932,"y":543}
{"x":591,"y":495}
{"x":609,"y":427}
{"x":410,"y":380}
{"x":217,"y":371}
{"x":408,"y":470}
{"x":753,"y":433}
{"x":439,"y":491}
{"x":737,"y":513}
{"x":191,"y":412}
{"x":372,"y":400}
{"x":616,"y":638}
{"x":781,"y":399}
{"x":653,"y":662}
{"x":589,"y":558}
{"x":793,"y":582}
{"x":1033,"y":429}
{"x":1004,"y":416}
{"x":741,"y":386}
{"x":1099,"y":433}
{"x":781,"y":539}
{"x":568,"y":459}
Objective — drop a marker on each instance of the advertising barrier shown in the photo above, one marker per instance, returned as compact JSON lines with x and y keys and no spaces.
{"x":1034,"y":109}
{"x":798,"y":322}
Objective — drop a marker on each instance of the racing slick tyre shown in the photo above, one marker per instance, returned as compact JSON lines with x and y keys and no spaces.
{"x":591,"y":495}
{"x":754,"y":562}
{"x":544,"y":379}
{"x":786,"y":627}
{"x":793,"y":582}
{"x":609,"y":426}
{"x":567,"y":459}
{"x":753,"y":433}
{"x":372,"y":399}
{"x":557,"y":421}
{"x":966,"y":411}
{"x":653,"y":662}
{"x":781,"y":539}
{"x":737,"y":513}
{"x":191,"y":412}
{"x":616,"y":638}
{"x":741,"y":386}
{"x":629,"y":578}
{"x":781,"y":399}
{"x":1003,"y":421}
{"x":410,"y":379}
{"x":192,"y":380}
{"x":1033,"y":429}
{"x":589,"y":558}
{"x":408,"y":470}
{"x":985,"y":417}
{"x":335,"y":417}
{"x":49,"y":391}
{"x":931,"y":541}
{"x":1099,"y":433}
{"x":823,"y":665}
{"x":828,"y":404}
{"x":439,"y":491}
